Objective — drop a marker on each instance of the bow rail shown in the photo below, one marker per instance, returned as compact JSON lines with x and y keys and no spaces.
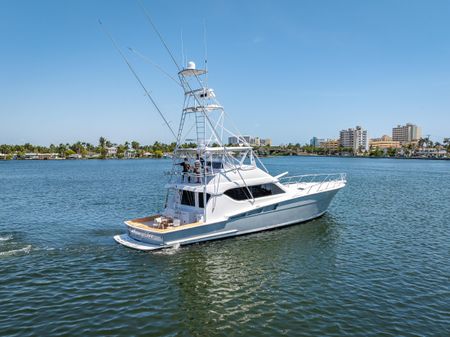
{"x":320,"y":181}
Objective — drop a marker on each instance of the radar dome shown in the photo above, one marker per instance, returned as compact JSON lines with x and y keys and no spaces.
{"x":191,"y":65}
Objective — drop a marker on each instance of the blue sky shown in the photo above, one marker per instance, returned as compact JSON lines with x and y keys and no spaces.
{"x":288,"y":70}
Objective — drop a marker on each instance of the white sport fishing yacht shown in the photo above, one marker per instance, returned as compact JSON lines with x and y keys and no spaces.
{"x":217,"y":191}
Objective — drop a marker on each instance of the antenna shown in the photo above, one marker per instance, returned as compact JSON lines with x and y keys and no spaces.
{"x":136,"y":76}
{"x":183,"y":61}
{"x":205,"y":44}
{"x":158,"y":33}
{"x":154,"y":64}
{"x":206,"y":50}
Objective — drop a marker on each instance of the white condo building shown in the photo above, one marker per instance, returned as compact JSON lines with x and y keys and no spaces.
{"x":356,"y":139}
{"x":250,"y":140}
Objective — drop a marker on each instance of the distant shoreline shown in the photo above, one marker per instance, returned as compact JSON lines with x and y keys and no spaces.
{"x":134,"y":150}
{"x":261,"y":156}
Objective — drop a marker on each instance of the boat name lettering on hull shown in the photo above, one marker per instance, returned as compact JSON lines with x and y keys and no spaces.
{"x":136,"y":233}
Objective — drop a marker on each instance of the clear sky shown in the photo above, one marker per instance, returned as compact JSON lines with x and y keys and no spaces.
{"x":288,"y":70}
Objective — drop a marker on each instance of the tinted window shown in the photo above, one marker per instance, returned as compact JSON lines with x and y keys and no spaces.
{"x":187,"y":198}
{"x":239,"y":193}
{"x":258,"y":191}
{"x":200,"y":199}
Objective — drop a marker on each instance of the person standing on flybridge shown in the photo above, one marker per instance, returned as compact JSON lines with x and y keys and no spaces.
{"x":186,"y":167}
{"x":197,"y":166}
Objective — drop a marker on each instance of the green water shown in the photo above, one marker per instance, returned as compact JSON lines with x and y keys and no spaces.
{"x":376,"y":264}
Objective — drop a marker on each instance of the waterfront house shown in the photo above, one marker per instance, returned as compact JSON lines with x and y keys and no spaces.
{"x":431,"y":153}
{"x":111,"y":151}
{"x":148,"y":155}
{"x":31,"y":156}
{"x":130,"y":153}
{"x":92,"y":155}
{"x":74,"y":156}
{"x":47,"y":156}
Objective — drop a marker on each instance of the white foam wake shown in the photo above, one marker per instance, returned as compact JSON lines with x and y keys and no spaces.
{"x":6,"y":237}
{"x":168,"y":251}
{"x":24,"y":250}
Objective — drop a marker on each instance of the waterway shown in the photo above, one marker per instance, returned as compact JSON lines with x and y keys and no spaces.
{"x":376,"y":264}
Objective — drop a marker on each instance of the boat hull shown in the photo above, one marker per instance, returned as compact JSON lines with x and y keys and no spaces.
{"x":276,"y":215}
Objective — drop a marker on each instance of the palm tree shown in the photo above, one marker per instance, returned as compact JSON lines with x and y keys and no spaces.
{"x":421,"y":142}
{"x":62,"y":149}
{"x":157,"y":146}
{"x":135,"y":145}
{"x":102,"y":142}
{"x":29,"y":147}
{"x":447,"y":144}
{"x":90,"y":147}
{"x":102,"y":145}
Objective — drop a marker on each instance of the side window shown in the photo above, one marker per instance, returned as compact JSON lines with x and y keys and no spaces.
{"x":258,"y":191}
{"x":200,"y":199}
{"x":187,"y":198}
{"x":239,"y":193}
{"x":268,"y":189}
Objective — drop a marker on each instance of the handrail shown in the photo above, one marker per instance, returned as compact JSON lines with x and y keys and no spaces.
{"x":192,"y":177}
{"x":321,"y":181}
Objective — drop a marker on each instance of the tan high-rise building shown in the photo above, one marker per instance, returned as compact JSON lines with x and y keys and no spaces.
{"x":406,"y":133}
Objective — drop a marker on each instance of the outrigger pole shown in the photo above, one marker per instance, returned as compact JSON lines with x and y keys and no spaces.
{"x":159,"y":34}
{"x":137,"y":77}
{"x":145,"y":58}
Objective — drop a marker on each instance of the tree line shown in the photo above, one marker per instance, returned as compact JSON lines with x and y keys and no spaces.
{"x":85,"y":149}
{"x":158,"y":149}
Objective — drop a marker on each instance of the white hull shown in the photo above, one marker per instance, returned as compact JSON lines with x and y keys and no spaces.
{"x":269,"y":217}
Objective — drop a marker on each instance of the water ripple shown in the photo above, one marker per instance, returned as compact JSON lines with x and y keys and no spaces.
{"x":375,"y":264}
